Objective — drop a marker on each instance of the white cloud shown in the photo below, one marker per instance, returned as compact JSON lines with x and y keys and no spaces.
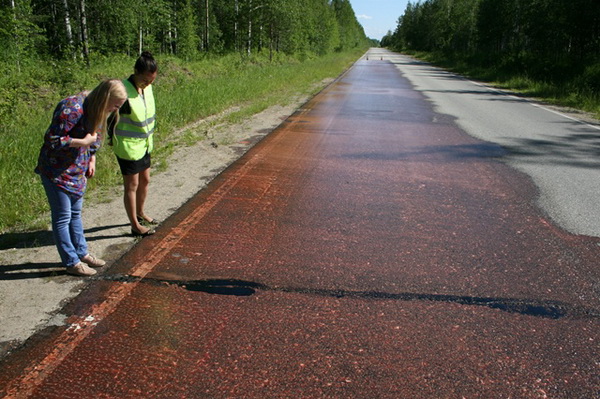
{"x":363,"y":16}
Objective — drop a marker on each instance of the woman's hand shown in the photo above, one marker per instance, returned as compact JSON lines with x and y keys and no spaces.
{"x":87,"y":141}
{"x":92,"y":167}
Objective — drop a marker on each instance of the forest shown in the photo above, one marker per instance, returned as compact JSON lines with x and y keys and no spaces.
{"x":556,"y":42}
{"x":74,"y":29}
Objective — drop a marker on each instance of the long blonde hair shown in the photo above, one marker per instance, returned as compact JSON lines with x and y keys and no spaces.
{"x":97,"y":102}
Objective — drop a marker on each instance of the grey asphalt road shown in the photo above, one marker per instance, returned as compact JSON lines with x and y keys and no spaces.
{"x":558,"y":151}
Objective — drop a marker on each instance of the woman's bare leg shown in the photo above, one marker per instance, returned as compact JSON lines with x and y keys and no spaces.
{"x":131,"y":187}
{"x":142,"y":193}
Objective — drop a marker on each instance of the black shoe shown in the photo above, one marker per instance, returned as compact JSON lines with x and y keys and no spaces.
{"x":136,"y":233}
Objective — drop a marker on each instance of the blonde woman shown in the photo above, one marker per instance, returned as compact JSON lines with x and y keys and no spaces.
{"x":67,"y":159}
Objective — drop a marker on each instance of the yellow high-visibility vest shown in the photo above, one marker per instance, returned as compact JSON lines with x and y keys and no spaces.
{"x":133,"y":134}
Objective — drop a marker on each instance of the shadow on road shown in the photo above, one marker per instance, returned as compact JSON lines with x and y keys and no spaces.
{"x":537,"y":308}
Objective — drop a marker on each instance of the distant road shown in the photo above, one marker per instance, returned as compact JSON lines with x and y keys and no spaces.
{"x":561,"y":154}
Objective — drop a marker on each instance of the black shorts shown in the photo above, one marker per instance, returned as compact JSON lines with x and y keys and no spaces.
{"x":134,"y":167}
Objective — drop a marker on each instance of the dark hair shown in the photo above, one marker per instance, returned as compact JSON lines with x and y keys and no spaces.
{"x":145,"y":63}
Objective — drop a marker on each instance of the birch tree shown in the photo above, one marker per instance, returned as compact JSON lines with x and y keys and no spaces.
{"x":85,"y":48}
{"x":68,"y":29}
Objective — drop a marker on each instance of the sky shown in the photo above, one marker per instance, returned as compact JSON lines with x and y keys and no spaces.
{"x":378,"y":16}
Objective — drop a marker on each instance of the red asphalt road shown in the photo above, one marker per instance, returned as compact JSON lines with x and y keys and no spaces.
{"x":367,"y":248}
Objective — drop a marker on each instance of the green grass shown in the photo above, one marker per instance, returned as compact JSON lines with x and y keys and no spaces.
{"x":185,"y":92}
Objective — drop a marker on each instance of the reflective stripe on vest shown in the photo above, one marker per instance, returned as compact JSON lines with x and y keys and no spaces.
{"x":122,"y":131}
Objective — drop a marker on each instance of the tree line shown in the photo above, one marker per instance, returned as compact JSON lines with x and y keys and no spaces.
{"x":72,"y":29}
{"x":545,"y":39}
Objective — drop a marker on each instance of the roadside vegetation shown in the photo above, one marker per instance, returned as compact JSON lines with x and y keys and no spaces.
{"x":265,"y":53}
{"x":549,"y":49}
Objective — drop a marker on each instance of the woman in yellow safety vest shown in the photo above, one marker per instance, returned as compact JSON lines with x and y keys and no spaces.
{"x":133,"y":142}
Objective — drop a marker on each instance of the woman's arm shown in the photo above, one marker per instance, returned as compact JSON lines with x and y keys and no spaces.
{"x":87,"y":141}
{"x":66,"y":117}
{"x":92,"y":167}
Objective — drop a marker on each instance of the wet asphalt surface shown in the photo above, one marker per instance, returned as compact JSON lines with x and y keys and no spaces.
{"x":368,"y":248}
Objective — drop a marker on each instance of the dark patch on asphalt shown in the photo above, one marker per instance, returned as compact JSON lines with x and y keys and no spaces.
{"x":8,"y":346}
{"x":538,"y":308}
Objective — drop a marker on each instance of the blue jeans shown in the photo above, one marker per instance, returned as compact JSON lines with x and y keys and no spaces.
{"x":67,"y":226}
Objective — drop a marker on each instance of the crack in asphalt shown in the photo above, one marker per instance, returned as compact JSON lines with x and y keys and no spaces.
{"x":538,"y":308}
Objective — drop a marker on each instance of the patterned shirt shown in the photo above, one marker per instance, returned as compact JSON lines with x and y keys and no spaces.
{"x":66,"y":166}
